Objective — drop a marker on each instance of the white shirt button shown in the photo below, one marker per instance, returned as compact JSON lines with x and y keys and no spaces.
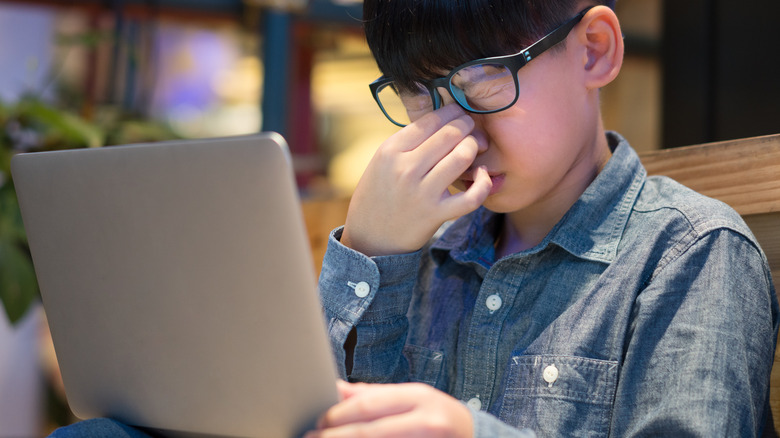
{"x":550,"y":374}
{"x":475,"y":403}
{"x":362,"y":289}
{"x":493,"y":302}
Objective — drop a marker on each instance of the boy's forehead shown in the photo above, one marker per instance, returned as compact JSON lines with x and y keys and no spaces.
{"x":438,"y":73}
{"x":422,"y":73}
{"x":424,"y":70}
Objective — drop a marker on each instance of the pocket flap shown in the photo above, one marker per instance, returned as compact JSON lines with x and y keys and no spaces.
{"x":564,"y":377}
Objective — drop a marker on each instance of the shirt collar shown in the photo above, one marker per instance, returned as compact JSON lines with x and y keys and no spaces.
{"x":591,"y":229}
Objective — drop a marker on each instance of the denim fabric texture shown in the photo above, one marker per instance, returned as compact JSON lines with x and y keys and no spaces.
{"x":98,"y":428}
{"x":648,"y":310}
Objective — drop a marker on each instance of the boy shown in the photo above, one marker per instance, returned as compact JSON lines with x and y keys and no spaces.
{"x":575,"y":296}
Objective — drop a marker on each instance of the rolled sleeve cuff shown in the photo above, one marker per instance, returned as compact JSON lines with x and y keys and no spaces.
{"x":350,"y":282}
{"x":488,"y":426}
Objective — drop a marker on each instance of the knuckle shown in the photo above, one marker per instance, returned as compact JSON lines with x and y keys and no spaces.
{"x":419,"y":387}
{"x":455,"y":130}
{"x":403,"y":173}
{"x":465,"y":152}
{"x":384,"y":153}
{"x":361,"y":431}
{"x":435,"y":426}
{"x":363,"y":407}
{"x":472,"y":202}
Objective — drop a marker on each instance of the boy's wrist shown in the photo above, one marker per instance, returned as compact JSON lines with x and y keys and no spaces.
{"x":372,"y":247}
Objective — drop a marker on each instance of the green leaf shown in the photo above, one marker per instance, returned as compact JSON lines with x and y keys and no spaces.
{"x":18,"y":285}
{"x":72,"y":130}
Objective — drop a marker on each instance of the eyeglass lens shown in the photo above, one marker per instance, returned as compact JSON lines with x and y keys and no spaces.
{"x":405,"y":106}
{"x":477,"y":88}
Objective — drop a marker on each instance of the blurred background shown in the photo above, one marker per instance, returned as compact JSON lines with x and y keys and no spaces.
{"x":102,"y":72}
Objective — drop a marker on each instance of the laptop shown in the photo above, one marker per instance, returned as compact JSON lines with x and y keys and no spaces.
{"x":178,"y":285}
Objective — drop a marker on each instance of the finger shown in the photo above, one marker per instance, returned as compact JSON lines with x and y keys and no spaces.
{"x":442,"y":142}
{"x":347,"y":390}
{"x":467,"y":201}
{"x":404,"y":425}
{"x":416,"y":133}
{"x":452,"y":165}
{"x":372,"y":402}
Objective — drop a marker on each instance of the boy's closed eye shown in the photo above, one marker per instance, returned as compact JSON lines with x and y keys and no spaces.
{"x":417,"y":104}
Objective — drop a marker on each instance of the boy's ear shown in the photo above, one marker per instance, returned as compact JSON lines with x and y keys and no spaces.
{"x":603,"y":40}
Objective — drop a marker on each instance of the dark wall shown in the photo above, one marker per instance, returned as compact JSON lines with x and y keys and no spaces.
{"x":721,"y":70}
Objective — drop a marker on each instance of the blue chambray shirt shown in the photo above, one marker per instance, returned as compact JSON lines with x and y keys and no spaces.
{"x":648,"y":310}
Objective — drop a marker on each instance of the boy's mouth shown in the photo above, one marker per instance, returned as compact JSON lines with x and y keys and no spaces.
{"x":467,"y":180}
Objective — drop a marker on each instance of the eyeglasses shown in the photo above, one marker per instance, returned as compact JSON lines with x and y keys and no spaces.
{"x":482,"y":86}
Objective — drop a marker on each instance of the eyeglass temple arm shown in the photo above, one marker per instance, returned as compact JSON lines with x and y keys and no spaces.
{"x":552,"y":38}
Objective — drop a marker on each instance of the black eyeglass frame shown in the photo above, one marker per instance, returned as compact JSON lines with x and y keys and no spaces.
{"x":513,"y":62}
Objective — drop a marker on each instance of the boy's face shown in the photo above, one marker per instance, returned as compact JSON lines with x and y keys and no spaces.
{"x":539,"y":150}
{"x":545,"y":148}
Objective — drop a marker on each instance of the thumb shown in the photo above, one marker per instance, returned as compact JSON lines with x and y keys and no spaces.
{"x":347,"y":390}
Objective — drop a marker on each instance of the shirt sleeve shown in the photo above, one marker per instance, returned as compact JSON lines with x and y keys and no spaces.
{"x":370,"y":296}
{"x":488,"y":426}
{"x":701,"y":345}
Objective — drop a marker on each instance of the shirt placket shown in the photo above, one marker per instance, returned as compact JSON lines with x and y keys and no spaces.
{"x":495,"y":299}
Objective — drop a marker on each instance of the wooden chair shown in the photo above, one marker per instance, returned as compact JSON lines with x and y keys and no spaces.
{"x":745,"y":174}
{"x":321,"y":217}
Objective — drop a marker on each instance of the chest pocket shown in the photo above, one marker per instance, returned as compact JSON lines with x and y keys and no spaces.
{"x":424,"y":365}
{"x":560,"y":395}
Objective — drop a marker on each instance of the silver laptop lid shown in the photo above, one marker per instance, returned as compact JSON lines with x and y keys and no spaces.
{"x":178,"y":284}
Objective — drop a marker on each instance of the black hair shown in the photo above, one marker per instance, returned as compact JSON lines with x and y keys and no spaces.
{"x":417,"y":39}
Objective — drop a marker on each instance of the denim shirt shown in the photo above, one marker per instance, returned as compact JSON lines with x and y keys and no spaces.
{"x":648,"y":310}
